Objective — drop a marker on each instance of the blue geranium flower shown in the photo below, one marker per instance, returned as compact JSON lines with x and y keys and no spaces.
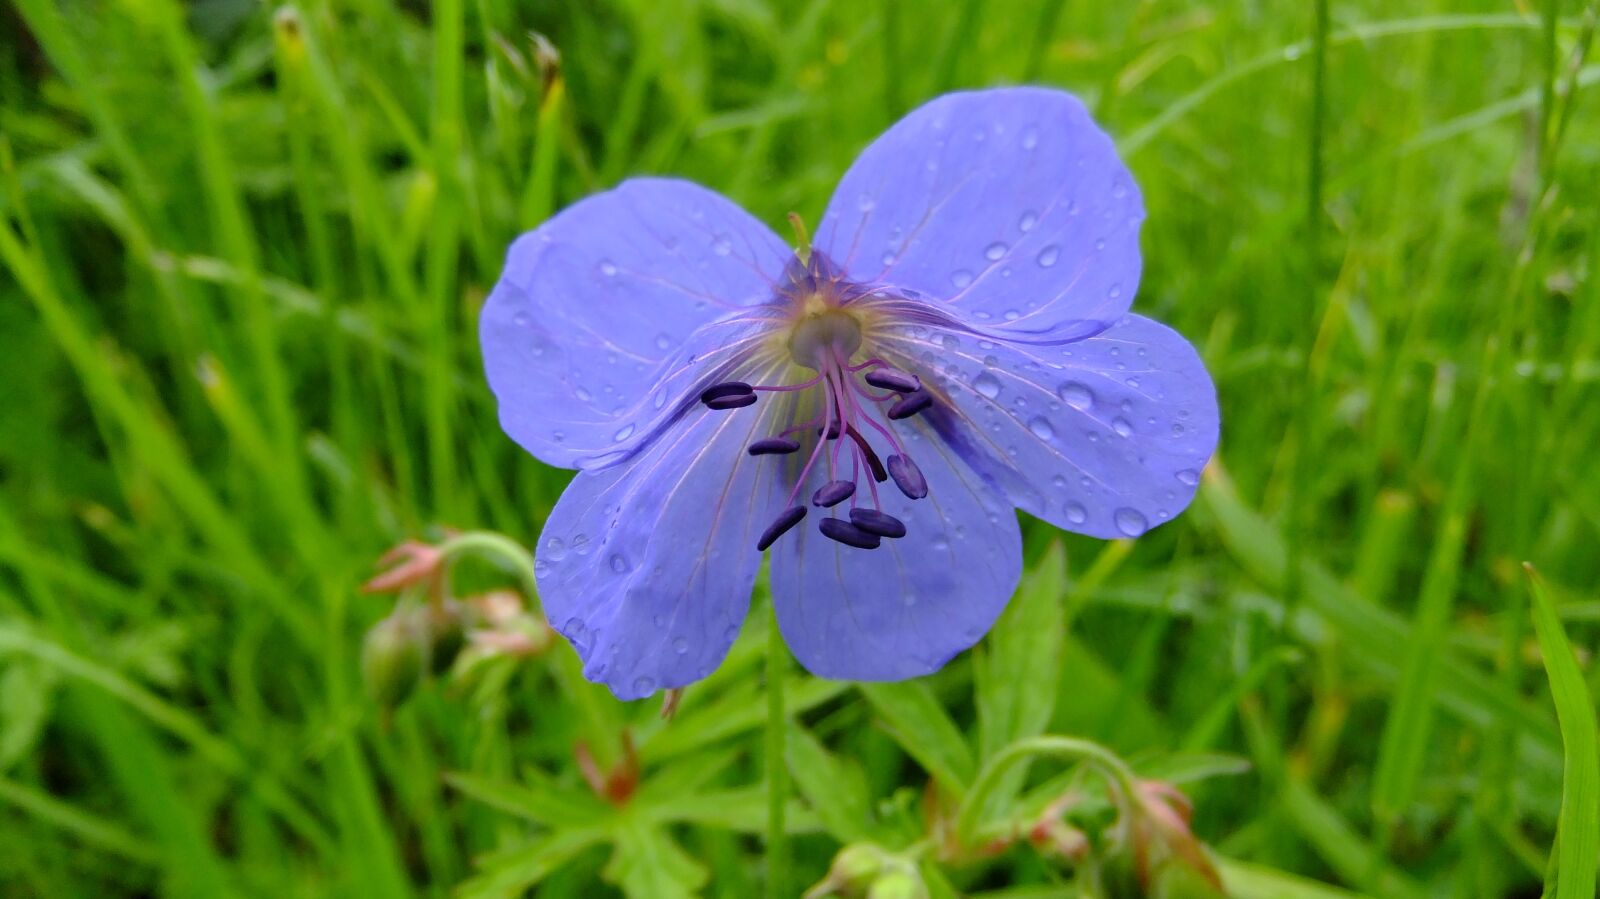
{"x":956,"y":344}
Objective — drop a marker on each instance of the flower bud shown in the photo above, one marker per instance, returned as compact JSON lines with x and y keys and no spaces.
{"x":393,"y":656}
{"x":853,"y":871}
{"x":902,"y":881}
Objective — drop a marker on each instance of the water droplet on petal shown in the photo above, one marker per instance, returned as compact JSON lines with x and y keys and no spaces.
{"x":987,"y":384}
{"x":960,"y":277}
{"x":555,"y":549}
{"x":1121,"y":426}
{"x":624,"y":433}
{"x":663,"y":342}
{"x":1189,"y":476}
{"x":619,"y":564}
{"x":1076,"y":514}
{"x":994,"y":251}
{"x":865,"y":203}
{"x":608,"y":268}
{"x":680,"y":645}
{"x":1030,"y":137}
{"x":1042,"y":429}
{"x":644,"y":686}
{"x":520,"y":319}
{"x":1076,"y":395}
{"x":1028,"y":220}
{"x":1049,"y":255}
{"x":722,"y":246}
{"x":1130,"y":521}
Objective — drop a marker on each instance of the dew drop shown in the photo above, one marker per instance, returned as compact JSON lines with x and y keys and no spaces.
{"x":580,"y":544}
{"x":583,"y":394}
{"x":624,"y":433}
{"x":608,"y":268}
{"x":1130,"y":521}
{"x":1121,"y":426}
{"x":961,"y":277}
{"x":1189,"y":476}
{"x":644,"y":686}
{"x":663,"y":342}
{"x":722,"y":246}
{"x":1076,"y":395}
{"x":1076,"y":514}
{"x":1030,"y":137}
{"x":619,"y":564}
{"x":555,"y":549}
{"x":994,"y":251}
{"x":888,"y":259}
{"x":1042,"y":429}
{"x":866,"y":203}
{"x":680,"y":645}
{"x":1028,"y":220}
{"x":1115,"y":292}
{"x":573,"y":627}
{"x":520,"y":319}
{"x":1049,"y":255}
{"x":987,"y":384}
{"x":1060,"y":482}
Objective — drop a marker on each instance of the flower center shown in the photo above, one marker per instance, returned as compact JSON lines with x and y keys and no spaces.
{"x":820,"y":336}
{"x":825,"y":337}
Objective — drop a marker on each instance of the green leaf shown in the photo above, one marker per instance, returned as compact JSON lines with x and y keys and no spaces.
{"x":513,"y":872}
{"x":1577,"y":849}
{"x":1015,"y":672}
{"x":834,"y":786}
{"x":917,"y":722}
{"x":647,"y":864}
{"x":27,"y":694}
{"x":536,"y":798}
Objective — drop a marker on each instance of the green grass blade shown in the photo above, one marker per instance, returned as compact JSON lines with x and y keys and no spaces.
{"x":1577,"y":850}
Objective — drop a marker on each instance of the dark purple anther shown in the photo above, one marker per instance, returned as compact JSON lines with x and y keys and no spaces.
{"x":910,"y":405}
{"x":878,"y":474}
{"x":833,"y":493}
{"x":790,"y":517}
{"x":847,"y":533}
{"x":874,"y":522}
{"x":737,"y":401}
{"x":724,"y":390}
{"x":773,"y":446}
{"x":907,"y":476}
{"x":894,"y":379}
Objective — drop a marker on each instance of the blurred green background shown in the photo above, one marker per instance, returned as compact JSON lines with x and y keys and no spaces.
{"x":242,"y":246}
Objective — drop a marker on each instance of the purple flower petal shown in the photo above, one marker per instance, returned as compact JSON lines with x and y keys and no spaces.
{"x":905,"y":608}
{"x":1010,"y":205}
{"x":1105,"y":436}
{"x":647,"y":567}
{"x":597,"y":307}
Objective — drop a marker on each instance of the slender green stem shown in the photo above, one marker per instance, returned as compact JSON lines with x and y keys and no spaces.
{"x":1116,"y":772}
{"x":777,"y":775}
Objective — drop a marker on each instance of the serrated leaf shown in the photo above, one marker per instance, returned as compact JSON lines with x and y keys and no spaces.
{"x":835,"y":787}
{"x":921,"y":727}
{"x":513,"y":872}
{"x":647,"y":864}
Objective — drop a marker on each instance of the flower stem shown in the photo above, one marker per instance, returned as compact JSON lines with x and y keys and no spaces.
{"x":777,"y":775}
{"x":1106,"y":763}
